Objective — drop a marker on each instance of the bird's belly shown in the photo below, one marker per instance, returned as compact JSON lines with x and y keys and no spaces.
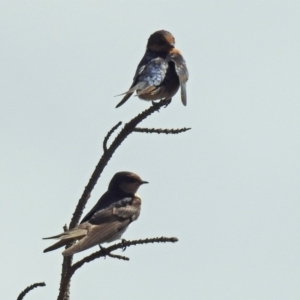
{"x":116,"y":236}
{"x":160,"y":93}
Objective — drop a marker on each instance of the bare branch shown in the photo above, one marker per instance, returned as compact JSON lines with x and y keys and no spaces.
{"x":107,"y":252}
{"x":108,"y":136}
{"x":29,"y":288}
{"x":108,"y":153}
{"x":127,"y":130}
{"x":118,"y":256}
{"x":160,"y":130}
{"x":122,"y":245}
{"x":64,"y":289}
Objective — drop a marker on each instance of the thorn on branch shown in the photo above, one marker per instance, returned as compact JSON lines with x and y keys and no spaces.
{"x":118,"y":256}
{"x":109,"y":135}
{"x":160,"y":130}
{"x":29,"y":288}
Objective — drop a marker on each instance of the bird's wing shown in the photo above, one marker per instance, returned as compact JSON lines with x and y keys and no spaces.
{"x":108,"y":224}
{"x":182,"y":72}
{"x":129,"y":212}
{"x":118,"y":211}
{"x":98,"y":234}
{"x":108,"y":214}
{"x":105,"y":201}
{"x":147,"y":78}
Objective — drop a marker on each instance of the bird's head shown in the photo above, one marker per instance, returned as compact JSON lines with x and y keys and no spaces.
{"x":127,"y":182}
{"x":161,"y":41}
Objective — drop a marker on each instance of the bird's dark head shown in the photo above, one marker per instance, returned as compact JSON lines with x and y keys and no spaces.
{"x":127,"y":182}
{"x":161,"y":41}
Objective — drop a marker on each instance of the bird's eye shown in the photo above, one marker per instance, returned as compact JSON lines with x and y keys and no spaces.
{"x":131,"y":180}
{"x":160,"y":42}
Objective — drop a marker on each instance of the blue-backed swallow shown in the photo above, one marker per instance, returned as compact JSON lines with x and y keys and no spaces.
{"x":160,"y":72}
{"x":108,"y":219}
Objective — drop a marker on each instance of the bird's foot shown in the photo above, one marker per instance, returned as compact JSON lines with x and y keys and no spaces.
{"x":123,"y":244}
{"x":166,"y":101}
{"x":155,"y":104}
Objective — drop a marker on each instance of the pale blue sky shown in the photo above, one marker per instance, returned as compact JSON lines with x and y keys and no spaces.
{"x":228,"y":189}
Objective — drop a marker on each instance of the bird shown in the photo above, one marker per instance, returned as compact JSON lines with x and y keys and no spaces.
{"x":161,"y":71}
{"x":108,"y":219}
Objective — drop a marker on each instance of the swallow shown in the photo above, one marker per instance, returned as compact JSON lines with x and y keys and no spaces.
{"x":161,"y":71}
{"x":108,"y":219}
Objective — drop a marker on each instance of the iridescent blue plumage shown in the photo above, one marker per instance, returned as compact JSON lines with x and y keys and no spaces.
{"x":161,"y":71}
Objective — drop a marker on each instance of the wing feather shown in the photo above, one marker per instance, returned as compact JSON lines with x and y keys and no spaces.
{"x":182,"y":72}
{"x":147,"y":78}
{"x":98,"y":234}
{"x":105,"y":225}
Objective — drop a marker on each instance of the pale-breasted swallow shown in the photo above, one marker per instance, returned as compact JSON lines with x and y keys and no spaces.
{"x":108,"y":219}
{"x":160,"y":72}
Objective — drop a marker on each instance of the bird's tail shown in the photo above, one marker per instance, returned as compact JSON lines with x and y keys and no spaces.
{"x":57,"y":245}
{"x":67,"y":237}
{"x":140,"y":87}
{"x":125,"y":98}
{"x":55,"y":236}
{"x":183,"y":93}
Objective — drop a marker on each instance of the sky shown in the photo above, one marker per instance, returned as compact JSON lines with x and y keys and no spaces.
{"x":228,"y":189}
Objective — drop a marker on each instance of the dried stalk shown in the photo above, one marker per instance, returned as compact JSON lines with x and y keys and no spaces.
{"x":128,"y":128}
{"x":29,"y":288}
{"x":160,"y":130}
{"x":103,"y":252}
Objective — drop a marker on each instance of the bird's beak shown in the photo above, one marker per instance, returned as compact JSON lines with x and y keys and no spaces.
{"x":143,"y":182}
{"x":172,"y":46}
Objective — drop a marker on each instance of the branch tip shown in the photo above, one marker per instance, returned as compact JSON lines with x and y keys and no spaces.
{"x":160,"y":130}
{"x":109,"y":135}
{"x":118,"y":256}
{"x":29,"y":288}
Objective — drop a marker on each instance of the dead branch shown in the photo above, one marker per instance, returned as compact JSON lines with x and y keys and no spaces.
{"x":103,"y":252}
{"x":108,"y":136}
{"x":108,"y":153}
{"x":123,"y":134}
{"x":29,"y":288}
{"x":160,"y":130}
